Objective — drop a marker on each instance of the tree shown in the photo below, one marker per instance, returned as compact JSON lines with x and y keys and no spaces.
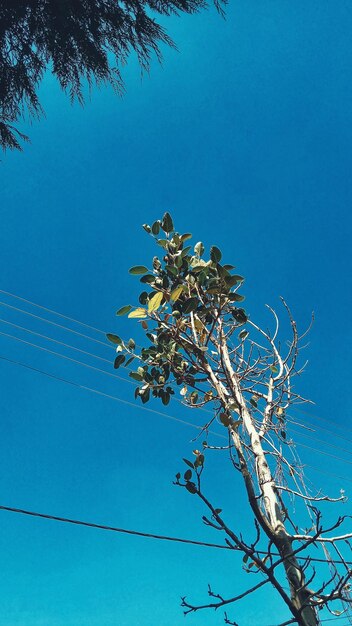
{"x":82,"y":41}
{"x":201,"y":340}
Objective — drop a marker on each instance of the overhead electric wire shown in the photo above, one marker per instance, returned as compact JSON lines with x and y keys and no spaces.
{"x":90,"y":354}
{"x":43,"y":319}
{"x":54,"y":312}
{"x":334,"y":456}
{"x":61,"y":343}
{"x":138,"y":406}
{"x":115,"y":529}
{"x":328,"y":443}
{"x":106,"y":395}
{"x":68,"y":520}
{"x":34,"y":345}
{"x":40,"y":306}
{"x":96,"y":356}
{"x":316,"y":428}
{"x":68,"y":358}
{"x":327,"y":472}
{"x":63,"y":356}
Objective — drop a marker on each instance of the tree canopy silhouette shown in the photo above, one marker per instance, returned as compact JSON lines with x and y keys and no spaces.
{"x":82,"y":41}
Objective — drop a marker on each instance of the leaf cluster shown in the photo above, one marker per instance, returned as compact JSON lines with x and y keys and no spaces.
{"x":182,"y":297}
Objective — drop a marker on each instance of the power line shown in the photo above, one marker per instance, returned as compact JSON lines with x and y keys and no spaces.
{"x":68,"y":520}
{"x":106,"y":395}
{"x":107,"y":345}
{"x":97,"y":369}
{"x":61,"y":343}
{"x":67,"y":317}
{"x":43,"y":319}
{"x":66,"y":345}
{"x":68,"y":358}
{"x":323,"y":419}
{"x":322,"y":428}
{"x":22,"y":328}
{"x":328,"y":443}
{"x":319,"y":469}
{"x":114,"y":529}
{"x":104,"y":371}
{"x":334,"y":456}
{"x":138,"y":406}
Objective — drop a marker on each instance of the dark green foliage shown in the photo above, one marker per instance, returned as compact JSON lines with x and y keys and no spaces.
{"x":183,"y":298}
{"x":83,"y":42}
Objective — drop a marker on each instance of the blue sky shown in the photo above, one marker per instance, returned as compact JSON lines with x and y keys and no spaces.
{"x":244,"y":135}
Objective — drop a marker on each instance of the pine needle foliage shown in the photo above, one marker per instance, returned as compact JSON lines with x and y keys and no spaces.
{"x":83,"y":42}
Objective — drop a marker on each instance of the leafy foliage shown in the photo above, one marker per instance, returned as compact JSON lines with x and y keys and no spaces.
{"x":186,"y":295}
{"x":82,"y":41}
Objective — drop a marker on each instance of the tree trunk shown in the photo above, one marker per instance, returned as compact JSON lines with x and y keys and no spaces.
{"x":272,"y":522}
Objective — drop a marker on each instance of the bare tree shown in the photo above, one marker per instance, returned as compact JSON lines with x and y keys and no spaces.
{"x":201,"y":341}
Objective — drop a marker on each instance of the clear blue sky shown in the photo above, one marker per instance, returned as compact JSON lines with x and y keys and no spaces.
{"x":245,"y":137}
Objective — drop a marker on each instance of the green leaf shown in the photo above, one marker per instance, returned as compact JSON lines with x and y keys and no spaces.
{"x":124,"y":310}
{"x":190,"y":305}
{"x":146,"y":228}
{"x":191,"y":488}
{"x":236,"y":297}
{"x":155,"y":302}
{"x":185,"y":251}
{"x":283,"y":434}
{"x":171,"y":270}
{"x":229,"y":267}
{"x":138,"y":269}
{"x":189,"y":463}
{"x":215,"y":254}
{"x":114,"y":339}
{"x":143,"y":297}
{"x":118,"y":361}
{"x":231,"y":281}
{"x":239,"y":315}
{"x":135,"y":376}
{"x":238,"y":277}
{"x":148,"y":278}
{"x":186,"y":236}
{"x":254,"y":401}
{"x":243,"y":334}
{"x":199,"y":248}
{"x":131,"y":344}
{"x":178,"y":476}
{"x":156,"y":228}
{"x":175,"y":294}
{"x":165,"y":398}
{"x":167,"y":223}
{"x":218,"y":511}
{"x":274,"y":369}
{"x":144,"y":395}
{"x":139,"y":312}
{"x":188,"y":474}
